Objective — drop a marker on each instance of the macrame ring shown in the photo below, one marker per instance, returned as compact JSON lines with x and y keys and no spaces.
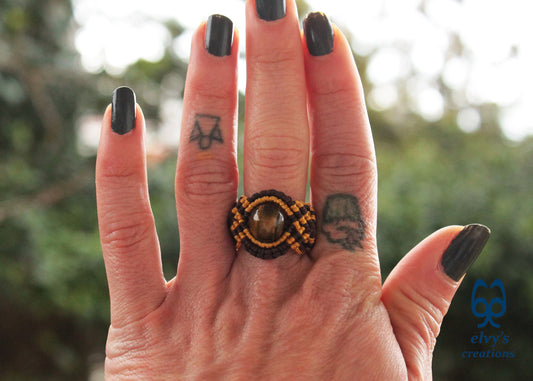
{"x":269,"y":223}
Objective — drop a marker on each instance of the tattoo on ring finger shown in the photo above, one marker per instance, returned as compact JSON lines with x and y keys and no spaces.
{"x":206,"y":130}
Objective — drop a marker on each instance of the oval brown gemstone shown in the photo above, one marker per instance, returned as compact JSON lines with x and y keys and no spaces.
{"x":266,"y":222}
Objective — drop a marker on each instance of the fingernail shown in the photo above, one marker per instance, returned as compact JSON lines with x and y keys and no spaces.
{"x":123,"y":110}
{"x":318,"y":34}
{"x":464,"y":250}
{"x":219,"y":35}
{"x":270,"y":10}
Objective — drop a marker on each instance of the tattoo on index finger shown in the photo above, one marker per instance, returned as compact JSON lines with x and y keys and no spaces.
{"x":342,"y":222}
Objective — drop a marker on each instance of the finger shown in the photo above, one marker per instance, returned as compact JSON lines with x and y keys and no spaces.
{"x":207,"y":178}
{"x":127,"y":231}
{"x":343,"y":166}
{"x":419,"y":290}
{"x":276,"y":142}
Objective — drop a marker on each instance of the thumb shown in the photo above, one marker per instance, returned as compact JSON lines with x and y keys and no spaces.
{"x":419,"y":290}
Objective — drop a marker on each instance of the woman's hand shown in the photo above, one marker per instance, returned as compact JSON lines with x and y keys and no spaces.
{"x":325,"y":315}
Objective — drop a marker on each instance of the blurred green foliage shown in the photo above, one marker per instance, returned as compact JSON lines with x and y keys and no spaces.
{"x":53,"y":298}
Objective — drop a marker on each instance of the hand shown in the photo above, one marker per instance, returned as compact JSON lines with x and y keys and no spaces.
{"x":324,"y":315}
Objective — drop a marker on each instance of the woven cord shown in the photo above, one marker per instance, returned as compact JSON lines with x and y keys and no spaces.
{"x":300,"y":225}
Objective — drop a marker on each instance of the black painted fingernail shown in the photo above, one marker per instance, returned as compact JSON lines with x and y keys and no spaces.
{"x":219,"y":35}
{"x":318,"y":34}
{"x":464,"y":250}
{"x":123,"y":112}
{"x":270,"y":10}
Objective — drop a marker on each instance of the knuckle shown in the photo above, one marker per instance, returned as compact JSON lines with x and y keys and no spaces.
{"x":333,"y":89}
{"x":126,"y":232}
{"x":274,"y":61}
{"x":337,"y":89}
{"x":278,"y":155}
{"x":335,"y":166}
{"x":341,"y":110}
{"x":334,"y":284}
{"x":428,"y":310}
{"x":212,"y":93}
{"x":206,"y":180}
{"x":118,"y":175}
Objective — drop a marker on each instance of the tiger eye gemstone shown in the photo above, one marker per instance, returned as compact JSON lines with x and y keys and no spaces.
{"x":266,"y":222}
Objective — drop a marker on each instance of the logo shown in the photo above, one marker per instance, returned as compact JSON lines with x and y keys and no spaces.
{"x":489,"y":343}
{"x":489,"y":312}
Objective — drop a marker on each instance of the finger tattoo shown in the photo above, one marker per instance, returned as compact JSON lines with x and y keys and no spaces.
{"x":206,"y":130}
{"x":342,"y":222}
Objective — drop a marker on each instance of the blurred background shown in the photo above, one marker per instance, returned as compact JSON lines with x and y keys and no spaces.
{"x":449,"y":87}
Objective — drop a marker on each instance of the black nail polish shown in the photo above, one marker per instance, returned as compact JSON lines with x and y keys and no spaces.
{"x":464,"y":250}
{"x":219,"y":35}
{"x":318,"y":34}
{"x":270,"y":10}
{"x":123,"y":112}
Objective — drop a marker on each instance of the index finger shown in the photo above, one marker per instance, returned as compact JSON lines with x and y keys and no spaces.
{"x":343,"y":166}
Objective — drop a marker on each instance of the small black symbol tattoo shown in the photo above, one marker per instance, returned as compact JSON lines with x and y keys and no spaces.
{"x":342,"y":222}
{"x":203,"y":122}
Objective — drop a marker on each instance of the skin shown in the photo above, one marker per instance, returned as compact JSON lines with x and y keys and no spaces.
{"x":326,"y":315}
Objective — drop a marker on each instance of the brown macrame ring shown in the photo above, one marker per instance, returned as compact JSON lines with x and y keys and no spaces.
{"x":297,"y":220}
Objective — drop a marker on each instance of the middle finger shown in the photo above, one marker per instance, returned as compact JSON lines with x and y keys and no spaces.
{"x":276,"y":141}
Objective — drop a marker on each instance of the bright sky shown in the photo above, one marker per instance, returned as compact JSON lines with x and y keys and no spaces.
{"x":496,"y":66}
